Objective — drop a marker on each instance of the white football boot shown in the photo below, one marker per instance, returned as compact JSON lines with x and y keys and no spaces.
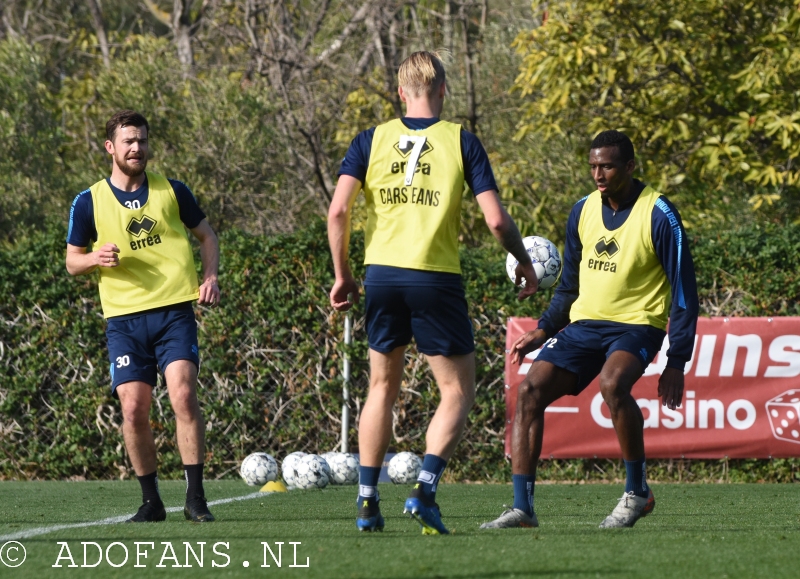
{"x":629,"y":509}
{"x":512,"y":518}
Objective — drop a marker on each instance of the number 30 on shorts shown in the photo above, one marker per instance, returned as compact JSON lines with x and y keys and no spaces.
{"x":123,"y":361}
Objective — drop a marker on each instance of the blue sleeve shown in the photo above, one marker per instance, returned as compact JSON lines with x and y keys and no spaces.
{"x":669,"y":240}
{"x":356,"y":160}
{"x":190,"y":211}
{"x":557,"y":315}
{"x":82,"y":231}
{"x":477,"y":170}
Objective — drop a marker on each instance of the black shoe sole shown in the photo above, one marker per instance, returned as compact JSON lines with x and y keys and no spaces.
{"x":161,"y":517}
{"x":204,"y":518}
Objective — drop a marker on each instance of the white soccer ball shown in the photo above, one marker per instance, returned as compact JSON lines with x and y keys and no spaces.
{"x":344,"y":468}
{"x":328,"y":456}
{"x":311,"y":472}
{"x":404,"y":468}
{"x":546,"y":261}
{"x":287,"y":467}
{"x":258,"y":469}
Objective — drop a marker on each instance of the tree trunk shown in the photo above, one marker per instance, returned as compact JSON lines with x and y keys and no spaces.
{"x":182,"y":30}
{"x":100,"y":31}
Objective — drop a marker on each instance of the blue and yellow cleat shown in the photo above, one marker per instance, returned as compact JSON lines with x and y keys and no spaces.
{"x":369,"y":516}
{"x":428,"y":516}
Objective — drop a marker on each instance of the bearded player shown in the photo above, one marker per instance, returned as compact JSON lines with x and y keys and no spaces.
{"x":627,"y":269}
{"x":131,"y":230}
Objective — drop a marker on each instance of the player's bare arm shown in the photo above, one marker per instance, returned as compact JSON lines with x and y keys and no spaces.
{"x":209,"y":255}
{"x":80,"y":262}
{"x":339,"y":238}
{"x":527,"y":343}
{"x":505,"y":231}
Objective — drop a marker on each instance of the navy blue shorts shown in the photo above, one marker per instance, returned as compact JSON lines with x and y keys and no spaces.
{"x":583,"y":347}
{"x":140,"y":346}
{"x":435,"y":316}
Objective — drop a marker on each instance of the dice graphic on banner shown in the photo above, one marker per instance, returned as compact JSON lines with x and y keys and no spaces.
{"x":784,"y":416}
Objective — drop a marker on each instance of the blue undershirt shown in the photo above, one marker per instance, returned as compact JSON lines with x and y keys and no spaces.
{"x":669,"y":241}
{"x":82,"y":230}
{"x":478,"y":175}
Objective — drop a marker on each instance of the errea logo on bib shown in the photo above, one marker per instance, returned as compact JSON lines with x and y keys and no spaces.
{"x":608,"y":248}
{"x":137,"y":226}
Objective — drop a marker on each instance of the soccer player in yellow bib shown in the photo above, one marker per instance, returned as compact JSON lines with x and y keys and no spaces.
{"x":131,"y":230}
{"x":413,"y":172}
{"x":627,"y":267}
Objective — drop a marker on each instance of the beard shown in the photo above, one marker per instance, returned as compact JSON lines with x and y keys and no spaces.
{"x":132,"y":170}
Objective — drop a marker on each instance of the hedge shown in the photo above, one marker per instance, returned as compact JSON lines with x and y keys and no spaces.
{"x":272,"y":354}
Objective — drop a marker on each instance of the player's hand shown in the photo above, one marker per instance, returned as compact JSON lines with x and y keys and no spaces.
{"x":107,"y":256}
{"x":209,"y":292}
{"x":527,"y":343}
{"x":341,"y":293}
{"x":670,"y":387}
{"x":527,"y":273}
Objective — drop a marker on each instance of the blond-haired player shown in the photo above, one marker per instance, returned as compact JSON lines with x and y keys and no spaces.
{"x":413,"y":172}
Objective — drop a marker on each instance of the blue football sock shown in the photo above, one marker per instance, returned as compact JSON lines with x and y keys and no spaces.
{"x":368,"y":483}
{"x":523,"y":492}
{"x":636,"y":479}
{"x":428,"y":480}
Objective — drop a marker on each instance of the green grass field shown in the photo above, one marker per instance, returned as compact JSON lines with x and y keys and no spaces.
{"x":695,"y":531}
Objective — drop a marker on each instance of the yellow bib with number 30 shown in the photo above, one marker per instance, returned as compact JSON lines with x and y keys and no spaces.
{"x":156,"y":265}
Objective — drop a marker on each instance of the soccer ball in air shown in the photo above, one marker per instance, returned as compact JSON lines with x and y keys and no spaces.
{"x":287,"y":467}
{"x":404,"y":468}
{"x":311,"y":472}
{"x":258,"y":469}
{"x":344,"y":468}
{"x":546,"y":261}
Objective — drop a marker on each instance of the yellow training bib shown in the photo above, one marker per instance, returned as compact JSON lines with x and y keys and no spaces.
{"x":621,"y":278}
{"x":156,"y":265}
{"x":413,"y":188}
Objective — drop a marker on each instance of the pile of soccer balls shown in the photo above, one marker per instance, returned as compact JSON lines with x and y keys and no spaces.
{"x":301,"y":470}
{"x":309,"y":471}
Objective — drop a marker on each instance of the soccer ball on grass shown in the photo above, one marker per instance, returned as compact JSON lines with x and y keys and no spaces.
{"x":287,"y":467}
{"x":344,"y":468}
{"x":404,"y":468}
{"x":311,"y":471}
{"x":258,"y":469}
{"x":546,"y":261}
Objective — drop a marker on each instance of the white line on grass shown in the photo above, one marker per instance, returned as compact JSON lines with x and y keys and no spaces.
{"x":27,"y":534}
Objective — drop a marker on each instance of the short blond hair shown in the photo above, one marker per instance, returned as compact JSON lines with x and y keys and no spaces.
{"x":421,"y":73}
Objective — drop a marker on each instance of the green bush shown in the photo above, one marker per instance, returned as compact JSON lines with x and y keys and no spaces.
{"x":272,"y":354}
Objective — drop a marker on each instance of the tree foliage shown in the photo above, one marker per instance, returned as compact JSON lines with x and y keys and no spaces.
{"x":252,"y":102}
{"x":707,"y":89}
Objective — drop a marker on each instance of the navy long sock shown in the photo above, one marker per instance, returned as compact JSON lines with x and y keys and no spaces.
{"x":368,"y":483}
{"x":523,"y":492}
{"x":636,"y":479}
{"x":432,"y":468}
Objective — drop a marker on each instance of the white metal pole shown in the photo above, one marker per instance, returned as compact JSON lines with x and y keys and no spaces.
{"x":348,"y":339}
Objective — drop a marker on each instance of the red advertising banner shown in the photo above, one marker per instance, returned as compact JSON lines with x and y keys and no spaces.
{"x":741,"y":397}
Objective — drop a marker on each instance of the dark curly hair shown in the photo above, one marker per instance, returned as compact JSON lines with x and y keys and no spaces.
{"x":126,"y":118}
{"x":615,"y":139}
